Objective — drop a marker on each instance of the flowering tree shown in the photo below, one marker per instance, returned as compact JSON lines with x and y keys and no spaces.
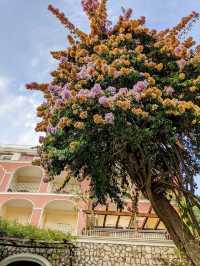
{"x":124,"y":103}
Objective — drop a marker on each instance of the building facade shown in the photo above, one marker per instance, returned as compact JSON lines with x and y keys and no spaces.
{"x":26,"y":199}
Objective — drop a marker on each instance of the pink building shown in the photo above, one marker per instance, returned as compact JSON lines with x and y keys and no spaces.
{"x":25,"y":198}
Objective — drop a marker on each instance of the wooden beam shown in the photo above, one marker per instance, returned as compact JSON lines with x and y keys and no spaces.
{"x":146,"y":217}
{"x":116,"y":213}
{"x":105,"y":217}
{"x":118,"y":218}
{"x":157,"y":224}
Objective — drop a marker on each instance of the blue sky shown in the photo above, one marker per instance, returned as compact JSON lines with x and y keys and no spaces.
{"x":28,"y":32}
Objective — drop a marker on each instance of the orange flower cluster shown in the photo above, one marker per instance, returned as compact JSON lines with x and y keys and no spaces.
{"x":119,"y":58}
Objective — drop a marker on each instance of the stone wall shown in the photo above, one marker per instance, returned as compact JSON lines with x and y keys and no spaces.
{"x":57,"y":254}
{"x":111,"y":253}
{"x":91,"y":252}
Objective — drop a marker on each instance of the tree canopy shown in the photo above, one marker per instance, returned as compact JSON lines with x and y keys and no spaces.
{"x":124,"y":104}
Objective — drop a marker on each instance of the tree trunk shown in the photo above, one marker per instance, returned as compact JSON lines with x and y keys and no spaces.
{"x":179,"y":233}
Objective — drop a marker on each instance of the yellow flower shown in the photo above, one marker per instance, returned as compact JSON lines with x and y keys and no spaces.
{"x":83,"y":115}
{"x":100,"y":78}
{"x":159,"y":67}
{"x":193,"y":89}
{"x":64,"y":121}
{"x":182,"y":76}
{"x":73,"y":145}
{"x":81,"y":53}
{"x":79,"y":125}
{"x":141,"y":57}
{"x":98,"y":119}
{"x":75,"y":111}
{"x":181,"y":108}
{"x":101,"y":49}
{"x":129,"y":36}
{"x":111,"y":70}
{"x":146,"y":75}
{"x":125,"y":105}
{"x":151,"y":81}
{"x":169,"y":103}
{"x":145,"y":114}
{"x":137,"y":111}
{"x":154,"y":107}
{"x":194,"y":122}
{"x":139,"y":49}
{"x":153,"y":92}
{"x":124,"y":71}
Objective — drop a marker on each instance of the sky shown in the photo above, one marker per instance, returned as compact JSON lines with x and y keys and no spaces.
{"x":28,"y":32}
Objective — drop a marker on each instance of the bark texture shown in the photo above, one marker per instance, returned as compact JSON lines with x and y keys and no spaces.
{"x":179,"y":232}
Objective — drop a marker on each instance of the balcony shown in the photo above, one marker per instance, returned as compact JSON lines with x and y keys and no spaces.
{"x":125,"y":234}
{"x":26,"y":179}
{"x":18,"y":210}
{"x":60,"y":215}
{"x":23,"y":187}
{"x":62,"y":227}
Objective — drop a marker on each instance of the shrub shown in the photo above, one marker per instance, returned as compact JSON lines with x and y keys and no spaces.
{"x":13,"y":229}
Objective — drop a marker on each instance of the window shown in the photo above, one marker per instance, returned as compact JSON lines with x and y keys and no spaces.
{"x":6,"y":157}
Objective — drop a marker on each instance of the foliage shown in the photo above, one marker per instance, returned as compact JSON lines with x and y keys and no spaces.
{"x":179,"y":260}
{"x":124,"y":105}
{"x":13,"y":229}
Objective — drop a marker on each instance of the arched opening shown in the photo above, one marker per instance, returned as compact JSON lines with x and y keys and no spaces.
{"x":18,"y":210}
{"x":25,"y":259}
{"x":26,"y":179}
{"x":60,"y":215}
{"x":23,"y":263}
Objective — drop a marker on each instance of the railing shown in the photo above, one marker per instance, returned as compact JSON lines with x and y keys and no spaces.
{"x":24,"y":187}
{"x":69,"y":189}
{"x":65,"y":228}
{"x":127,"y":234}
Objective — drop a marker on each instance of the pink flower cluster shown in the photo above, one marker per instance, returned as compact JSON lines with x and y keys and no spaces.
{"x":89,"y":5}
{"x":103,"y":100}
{"x":85,"y":72}
{"x":109,"y":118}
{"x":51,"y":129}
{"x":55,"y":90}
{"x":127,"y":13}
{"x":138,"y":88}
{"x":169,"y":90}
{"x":66,"y":93}
{"x":96,"y":91}
{"x":179,"y":49}
{"x":181,"y":63}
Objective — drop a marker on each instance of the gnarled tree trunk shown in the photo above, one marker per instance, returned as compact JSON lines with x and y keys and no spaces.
{"x":179,"y":233}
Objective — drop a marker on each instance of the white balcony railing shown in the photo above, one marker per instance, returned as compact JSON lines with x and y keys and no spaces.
{"x":126,"y":234}
{"x":65,"y":228}
{"x":24,"y":187}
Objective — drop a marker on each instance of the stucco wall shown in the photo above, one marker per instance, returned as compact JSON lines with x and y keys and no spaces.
{"x":91,"y":252}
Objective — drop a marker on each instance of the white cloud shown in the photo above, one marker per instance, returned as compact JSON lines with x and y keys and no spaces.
{"x":17,"y":114}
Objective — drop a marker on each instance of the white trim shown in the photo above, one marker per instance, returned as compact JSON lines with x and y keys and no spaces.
{"x":40,"y":194}
{"x":14,"y":162}
{"x":134,"y":242}
{"x":27,"y":257}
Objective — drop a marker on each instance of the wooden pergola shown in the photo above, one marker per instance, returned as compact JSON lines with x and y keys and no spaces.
{"x":145,"y":220}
